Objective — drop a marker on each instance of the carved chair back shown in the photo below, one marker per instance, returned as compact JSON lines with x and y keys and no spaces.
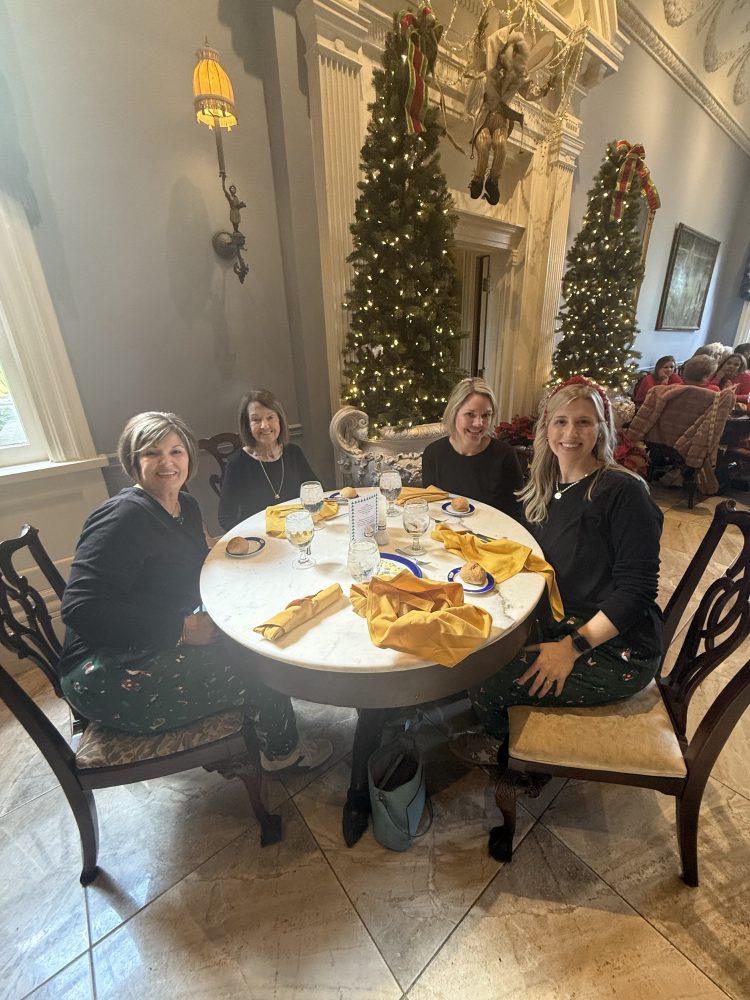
{"x":221,"y":447}
{"x":25,"y":623}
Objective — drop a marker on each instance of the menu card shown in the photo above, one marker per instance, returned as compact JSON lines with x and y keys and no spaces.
{"x":363,"y":517}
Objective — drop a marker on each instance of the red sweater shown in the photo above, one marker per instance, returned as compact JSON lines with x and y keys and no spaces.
{"x":648,"y":382}
{"x":741,"y":383}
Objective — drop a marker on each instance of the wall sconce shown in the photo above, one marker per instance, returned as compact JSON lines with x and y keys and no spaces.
{"x":214,"y":106}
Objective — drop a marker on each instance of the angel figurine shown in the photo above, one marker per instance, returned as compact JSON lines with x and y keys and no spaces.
{"x":509,"y":62}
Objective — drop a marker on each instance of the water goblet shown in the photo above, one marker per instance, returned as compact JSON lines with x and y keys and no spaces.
{"x":416,"y":522}
{"x":390,"y":487}
{"x":311,"y":495}
{"x":299,"y":531}
{"x":363,"y":559}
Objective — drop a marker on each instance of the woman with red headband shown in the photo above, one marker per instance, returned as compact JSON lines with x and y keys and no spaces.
{"x":599,"y":528}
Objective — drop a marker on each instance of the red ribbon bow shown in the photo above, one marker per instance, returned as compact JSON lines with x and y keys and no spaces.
{"x":632,"y":164}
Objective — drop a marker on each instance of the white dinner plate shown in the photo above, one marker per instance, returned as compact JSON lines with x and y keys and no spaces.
{"x":457,"y":513}
{"x":256,"y":546}
{"x":471,"y":588}
{"x":391,"y":565}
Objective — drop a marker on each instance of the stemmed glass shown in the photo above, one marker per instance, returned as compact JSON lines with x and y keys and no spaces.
{"x":299,"y":531}
{"x":311,"y":495}
{"x":390,"y":487}
{"x":416,"y":522}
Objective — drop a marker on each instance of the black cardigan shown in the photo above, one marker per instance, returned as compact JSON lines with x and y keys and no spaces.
{"x":492,"y":476}
{"x":134,"y":578}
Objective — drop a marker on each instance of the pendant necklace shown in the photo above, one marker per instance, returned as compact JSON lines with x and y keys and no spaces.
{"x":178,"y":517}
{"x":559,"y":490}
{"x":276,"y":493}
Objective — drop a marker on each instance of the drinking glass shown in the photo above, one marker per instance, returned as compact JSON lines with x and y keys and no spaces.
{"x":299,"y":531}
{"x":390,"y":487}
{"x":311,"y":495}
{"x":416,"y":522}
{"x":363,"y":559}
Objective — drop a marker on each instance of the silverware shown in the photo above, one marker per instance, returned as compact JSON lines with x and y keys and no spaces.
{"x":419,"y":562}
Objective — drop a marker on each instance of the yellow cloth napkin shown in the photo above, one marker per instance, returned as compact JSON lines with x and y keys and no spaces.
{"x":276,"y":516}
{"x":298,"y":612}
{"x":503,"y":558}
{"x":423,"y":617}
{"x":428,"y":493}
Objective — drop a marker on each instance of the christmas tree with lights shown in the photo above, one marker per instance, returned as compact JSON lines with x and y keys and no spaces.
{"x":401,"y":353}
{"x":603,"y":275}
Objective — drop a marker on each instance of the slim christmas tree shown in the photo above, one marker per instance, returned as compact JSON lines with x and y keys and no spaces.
{"x":402,"y":348}
{"x":604,"y":272}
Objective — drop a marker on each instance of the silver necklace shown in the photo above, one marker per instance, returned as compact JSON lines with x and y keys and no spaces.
{"x":559,"y":490}
{"x":276,"y":493}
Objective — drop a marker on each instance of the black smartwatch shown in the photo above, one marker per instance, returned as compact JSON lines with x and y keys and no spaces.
{"x":580,"y":642}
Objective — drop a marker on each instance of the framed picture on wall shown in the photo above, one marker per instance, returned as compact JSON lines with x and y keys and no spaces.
{"x":691,"y":264}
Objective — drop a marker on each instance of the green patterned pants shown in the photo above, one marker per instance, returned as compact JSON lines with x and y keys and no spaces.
{"x":149,"y":693}
{"x":611,"y":672}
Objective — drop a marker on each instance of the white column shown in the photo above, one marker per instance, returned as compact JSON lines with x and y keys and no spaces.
{"x":334,"y":32}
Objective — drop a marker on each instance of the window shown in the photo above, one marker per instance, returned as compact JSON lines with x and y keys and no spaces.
{"x":21,"y":439}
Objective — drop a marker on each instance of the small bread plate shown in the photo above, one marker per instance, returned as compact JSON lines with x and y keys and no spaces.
{"x":391,"y":564}
{"x":256,"y":545}
{"x":457,"y":513}
{"x":471,"y":588}
{"x":337,"y":498}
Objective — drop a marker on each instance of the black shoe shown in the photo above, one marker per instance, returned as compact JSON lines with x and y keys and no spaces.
{"x":491,"y":191}
{"x":475,"y":187}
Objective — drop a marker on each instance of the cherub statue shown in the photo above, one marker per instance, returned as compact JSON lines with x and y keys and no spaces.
{"x":234,"y":204}
{"x":507,"y":74}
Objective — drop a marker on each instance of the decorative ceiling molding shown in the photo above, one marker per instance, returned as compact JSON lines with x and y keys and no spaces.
{"x":641,"y":31}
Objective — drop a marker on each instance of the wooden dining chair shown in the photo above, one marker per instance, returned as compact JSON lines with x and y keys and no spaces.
{"x":221,"y":447}
{"x":98,"y":757}
{"x":643,"y":740}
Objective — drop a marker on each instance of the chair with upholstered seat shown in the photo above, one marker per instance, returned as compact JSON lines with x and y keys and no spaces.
{"x":100,"y":757}
{"x":221,"y":447}
{"x":643,"y":741}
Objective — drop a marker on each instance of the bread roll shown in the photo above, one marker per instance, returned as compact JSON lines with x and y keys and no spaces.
{"x":238,"y":546}
{"x":348,"y":493}
{"x":461,"y":504}
{"x":472,"y":572}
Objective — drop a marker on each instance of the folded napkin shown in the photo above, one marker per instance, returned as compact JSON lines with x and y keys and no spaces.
{"x":276,"y":516}
{"x":428,"y":493}
{"x":503,"y":558}
{"x":423,"y":617}
{"x":298,"y":612}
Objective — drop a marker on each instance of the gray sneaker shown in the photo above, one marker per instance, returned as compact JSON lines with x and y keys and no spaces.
{"x":475,"y":748}
{"x":305,"y":756}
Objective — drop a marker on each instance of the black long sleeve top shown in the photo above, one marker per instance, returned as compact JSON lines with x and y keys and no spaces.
{"x":135,"y":576}
{"x":605,"y":553}
{"x":492,"y":476}
{"x":246,"y":490}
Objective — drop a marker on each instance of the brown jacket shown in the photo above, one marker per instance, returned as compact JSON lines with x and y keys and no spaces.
{"x":690,"y":419}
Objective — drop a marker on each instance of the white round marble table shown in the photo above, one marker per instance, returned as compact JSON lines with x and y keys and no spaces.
{"x":331,"y":659}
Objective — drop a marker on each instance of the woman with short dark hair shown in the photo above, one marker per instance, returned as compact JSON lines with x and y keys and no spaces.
{"x":138,"y":657}
{"x":267,"y":469}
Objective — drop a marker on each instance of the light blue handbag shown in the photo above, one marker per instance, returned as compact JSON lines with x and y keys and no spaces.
{"x":398,"y":794}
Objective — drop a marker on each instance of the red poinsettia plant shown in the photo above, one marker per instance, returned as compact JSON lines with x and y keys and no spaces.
{"x":633,"y":455}
{"x":519,"y":431}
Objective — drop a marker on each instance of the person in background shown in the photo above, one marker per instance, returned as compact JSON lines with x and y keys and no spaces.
{"x":744,"y":350}
{"x":267,"y":469}
{"x":732,"y":373}
{"x":470,"y":461}
{"x":698,"y":371}
{"x":599,"y":529}
{"x":664,"y":373}
{"x":137,"y":656}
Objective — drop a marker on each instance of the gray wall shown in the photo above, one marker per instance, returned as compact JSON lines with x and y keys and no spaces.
{"x":99,"y":141}
{"x":703,"y":179}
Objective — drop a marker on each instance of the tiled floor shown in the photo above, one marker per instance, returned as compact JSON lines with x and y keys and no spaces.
{"x":189,"y":906}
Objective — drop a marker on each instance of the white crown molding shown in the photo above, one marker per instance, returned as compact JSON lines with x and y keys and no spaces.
{"x":642,"y":32}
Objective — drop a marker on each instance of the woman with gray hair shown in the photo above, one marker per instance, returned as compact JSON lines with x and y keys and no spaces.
{"x":137,"y":656}
{"x":599,"y":529}
{"x":471,"y":461}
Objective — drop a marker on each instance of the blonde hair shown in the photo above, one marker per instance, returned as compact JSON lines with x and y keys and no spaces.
{"x":461,"y":392}
{"x":545,"y":470}
{"x":146,"y":429}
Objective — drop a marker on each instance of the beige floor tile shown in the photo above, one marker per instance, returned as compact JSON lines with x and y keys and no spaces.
{"x":320,"y":721}
{"x":628,"y":837}
{"x":410,"y":902}
{"x":73,"y":983}
{"x":43,"y":909}
{"x":548,"y":929}
{"x":251,"y":922}
{"x":154,"y":833}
